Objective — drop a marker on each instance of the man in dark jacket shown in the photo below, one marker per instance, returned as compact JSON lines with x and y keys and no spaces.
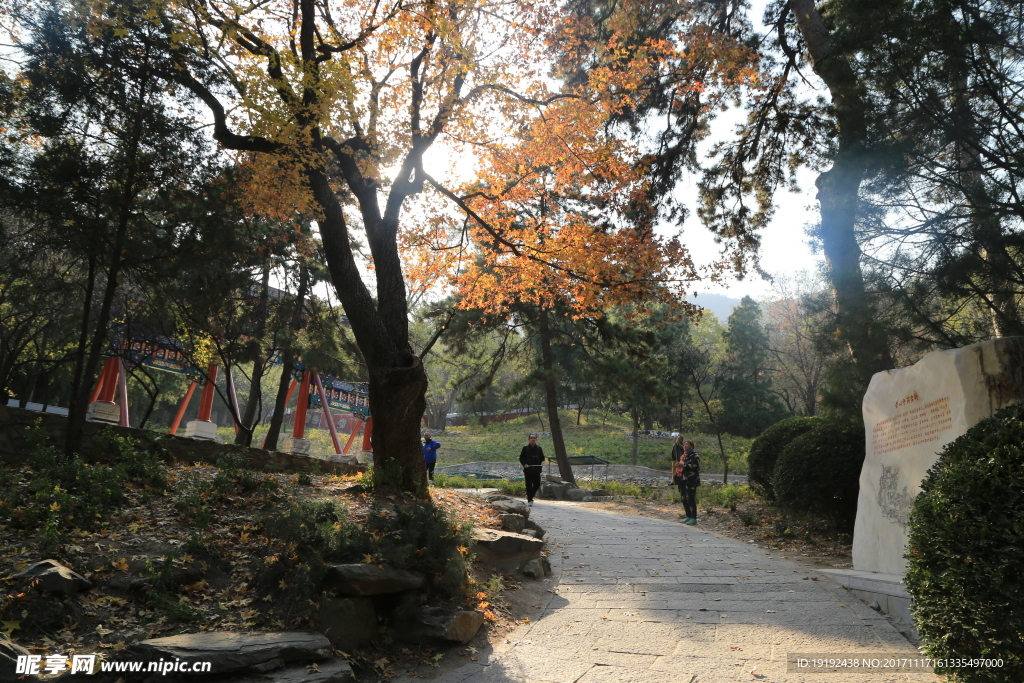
{"x":532,"y":460}
{"x":430,"y":454}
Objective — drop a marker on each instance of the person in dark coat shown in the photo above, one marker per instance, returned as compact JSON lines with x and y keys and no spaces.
{"x":686,"y":473}
{"x":430,"y":454}
{"x":677,"y":451}
{"x":532,"y":460}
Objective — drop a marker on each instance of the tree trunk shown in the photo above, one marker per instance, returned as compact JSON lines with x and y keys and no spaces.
{"x":255,"y":399}
{"x":999,"y":291}
{"x":725,"y":460}
{"x":838,"y":193}
{"x":551,"y":398}
{"x":279,"y":404}
{"x":397,"y":403}
{"x":252,"y":403}
{"x":635,"y":413}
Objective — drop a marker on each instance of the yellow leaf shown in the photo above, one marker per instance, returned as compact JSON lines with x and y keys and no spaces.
{"x":367,"y":559}
{"x":10,"y":627}
{"x":121,"y":565}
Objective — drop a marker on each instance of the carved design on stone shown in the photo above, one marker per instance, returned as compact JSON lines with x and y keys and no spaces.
{"x":894,"y":503}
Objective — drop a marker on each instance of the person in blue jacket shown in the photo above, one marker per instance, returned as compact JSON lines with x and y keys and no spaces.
{"x":430,"y":454}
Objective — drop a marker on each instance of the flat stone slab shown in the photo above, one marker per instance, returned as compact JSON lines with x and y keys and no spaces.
{"x":230,"y":652}
{"x":505,"y":542}
{"x":507,"y":505}
{"x":50,"y":576}
{"x":371,"y":579}
{"x":9,"y":653}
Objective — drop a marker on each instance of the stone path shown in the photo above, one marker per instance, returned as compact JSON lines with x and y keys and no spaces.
{"x":640,"y":600}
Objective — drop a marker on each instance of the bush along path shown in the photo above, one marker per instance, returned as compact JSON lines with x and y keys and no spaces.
{"x":641,"y":600}
{"x":139,"y":560}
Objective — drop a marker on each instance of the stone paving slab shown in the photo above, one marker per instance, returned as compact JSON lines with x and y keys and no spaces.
{"x":640,"y":600}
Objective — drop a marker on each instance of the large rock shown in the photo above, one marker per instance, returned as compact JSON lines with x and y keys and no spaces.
{"x":50,"y":576}
{"x":909,"y":415}
{"x":230,"y":652}
{"x":9,"y":653}
{"x":513,"y":523}
{"x":504,"y":549}
{"x":538,"y":530}
{"x":537,"y":568}
{"x":348,"y":622}
{"x":371,"y":579}
{"x":509,"y":506}
{"x":577,"y":494}
{"x":438,"y":625}
{"x":550,"y":491}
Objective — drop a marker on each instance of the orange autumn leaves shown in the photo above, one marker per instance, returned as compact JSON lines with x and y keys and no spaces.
{"x":561,"y":212}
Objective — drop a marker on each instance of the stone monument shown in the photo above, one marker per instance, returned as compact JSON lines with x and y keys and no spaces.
{"x":910,"y":414}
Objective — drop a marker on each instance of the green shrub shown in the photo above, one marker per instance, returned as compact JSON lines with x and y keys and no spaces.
{"x":728,"y":496}
{"x":66,"y":493}
{"x":966,"y":550}
{"x":455,"y":481}
{"x":416,"y":536}
{"x":618,"y":488}
{"x":819,"y":472}
{"x":235,"y":477}
{"x":513,"y":487}
{"x":137,"y":464}
{"x":765,"y":449}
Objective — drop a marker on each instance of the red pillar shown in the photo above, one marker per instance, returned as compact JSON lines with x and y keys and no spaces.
{"x":351,"y":438}
{"x":301,"y":404}
{"x":367,"y":434}
{"x":109,"y":381}
{"x":122,"y":393}
{"x":206,"y":402}
{"x":182,"y":407}
{"x":327,"y":413}
{"x":100,"y":381}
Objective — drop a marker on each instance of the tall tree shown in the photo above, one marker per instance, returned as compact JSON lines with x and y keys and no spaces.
{"x":113,"y":156}
{"x":749,"y":403}
{"x":334,"y":99}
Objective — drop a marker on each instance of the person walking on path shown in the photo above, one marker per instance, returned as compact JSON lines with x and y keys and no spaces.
{"x":677,"y":451}
{"x":532,"y":460}
{"x":430,"y":454}
{"x":686,"y":474}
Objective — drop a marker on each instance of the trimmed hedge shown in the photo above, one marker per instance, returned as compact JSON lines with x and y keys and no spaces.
{"x":966,"y":550}
{"x":819,"y":472}
{"x":765,"y":449}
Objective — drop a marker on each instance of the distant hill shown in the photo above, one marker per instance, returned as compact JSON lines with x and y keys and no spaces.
{"x":719,"y":304}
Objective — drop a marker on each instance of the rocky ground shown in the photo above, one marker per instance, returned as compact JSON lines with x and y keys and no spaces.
{"x":182,"y":562}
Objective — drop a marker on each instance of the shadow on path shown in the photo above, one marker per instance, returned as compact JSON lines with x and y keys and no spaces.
{"x":640,"y":600}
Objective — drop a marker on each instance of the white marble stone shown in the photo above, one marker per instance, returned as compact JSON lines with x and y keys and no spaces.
{"x":296,"y":446}
{"x":910,"y":414}
{"x":102,"y":411}
{"x":201,"y":429}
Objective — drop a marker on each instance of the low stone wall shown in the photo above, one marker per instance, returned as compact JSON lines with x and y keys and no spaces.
{"x":14,"y":449}
{"x":630,"y":474}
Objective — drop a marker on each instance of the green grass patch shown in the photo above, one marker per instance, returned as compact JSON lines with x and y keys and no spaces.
{"x":600,"y":433}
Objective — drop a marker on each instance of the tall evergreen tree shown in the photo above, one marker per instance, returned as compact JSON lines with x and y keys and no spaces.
{"x":749,"y":404}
